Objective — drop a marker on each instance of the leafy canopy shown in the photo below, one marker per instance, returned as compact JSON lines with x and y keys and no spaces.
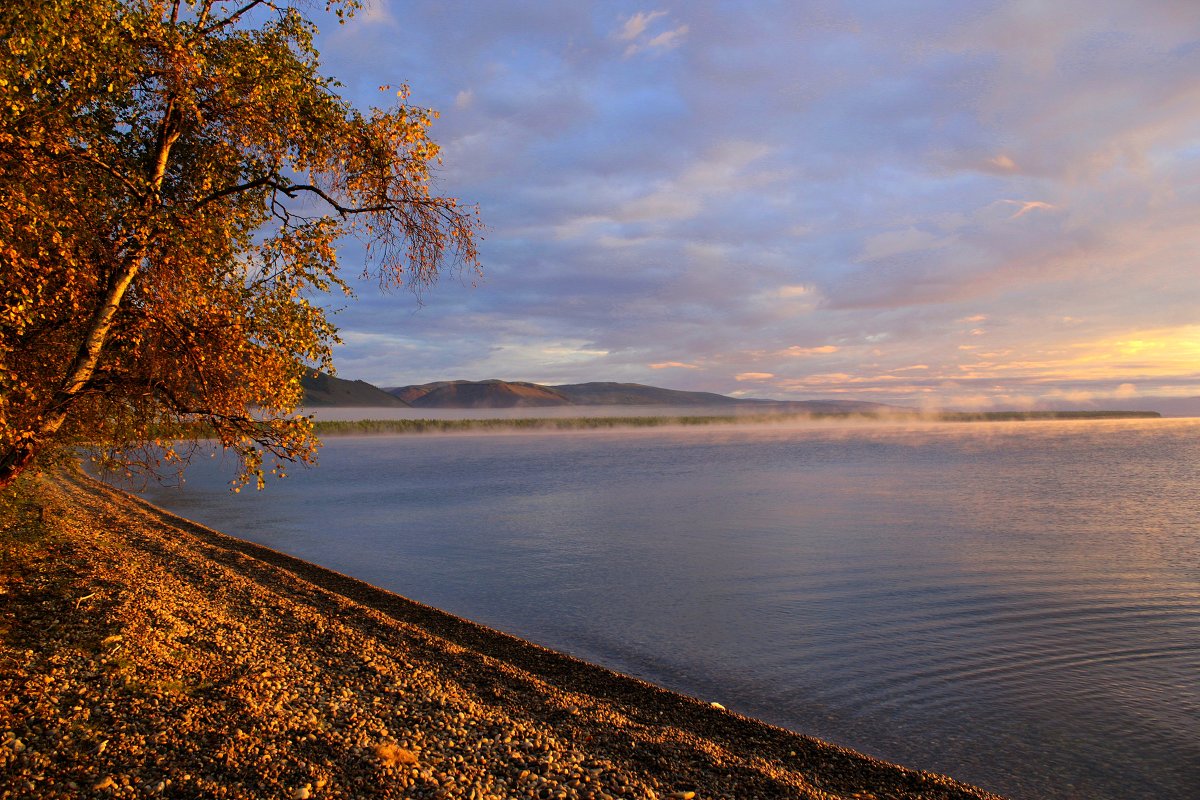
{"x":174,"y":177}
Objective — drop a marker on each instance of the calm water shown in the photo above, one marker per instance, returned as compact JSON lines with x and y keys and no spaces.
{"x":1017,"y":605}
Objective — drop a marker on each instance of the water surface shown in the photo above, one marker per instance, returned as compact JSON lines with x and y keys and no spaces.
{"x":1015,"y":604}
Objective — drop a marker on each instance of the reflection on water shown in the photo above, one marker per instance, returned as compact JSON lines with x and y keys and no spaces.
{"x":1015,"y":604}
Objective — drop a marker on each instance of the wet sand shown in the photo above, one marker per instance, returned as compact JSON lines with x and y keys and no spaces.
{"x":143,"y":655}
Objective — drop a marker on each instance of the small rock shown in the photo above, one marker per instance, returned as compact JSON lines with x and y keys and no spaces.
{"x":394,"y":756}
{"x":107,"y":783}
{"x":717,"y":706}
{"x":303,"y":793}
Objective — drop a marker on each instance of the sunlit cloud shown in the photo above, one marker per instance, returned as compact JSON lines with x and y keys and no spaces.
{"x":1002,"y":163}
{"x":673,"y":365}
{"x":635,"y":31}
{"x":723,"y":168}
{"x":568,"y":352}
{"x":636,"y":24}
{"x":1026,"y":206}
{"x":753,"y":376}
{"x":668,"y":39}
{"x":824,"y":349}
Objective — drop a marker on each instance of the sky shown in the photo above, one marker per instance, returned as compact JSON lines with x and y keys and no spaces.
{"x":930,"y":203}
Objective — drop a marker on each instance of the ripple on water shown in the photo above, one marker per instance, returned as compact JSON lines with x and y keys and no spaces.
{"x":1016,"y":605}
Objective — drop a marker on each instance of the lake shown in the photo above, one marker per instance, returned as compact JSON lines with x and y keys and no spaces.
{"x":1014,"y":604}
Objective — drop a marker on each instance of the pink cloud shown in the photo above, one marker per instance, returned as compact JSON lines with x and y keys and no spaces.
{"x":796,"y":350}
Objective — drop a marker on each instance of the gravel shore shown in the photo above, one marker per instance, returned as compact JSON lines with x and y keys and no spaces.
{"x":142,"y":655}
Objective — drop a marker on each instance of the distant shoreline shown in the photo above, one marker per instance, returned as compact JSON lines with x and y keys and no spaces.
{"x":420,"y":426}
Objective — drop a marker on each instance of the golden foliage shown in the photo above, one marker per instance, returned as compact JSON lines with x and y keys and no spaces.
{"x":174,"y":177}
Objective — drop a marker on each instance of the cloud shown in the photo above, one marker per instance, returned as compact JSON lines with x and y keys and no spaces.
{"x":1027,"y":206}
{"x":376,"y":14}
{"x":635,"y":31}
{"x":636,"y":24}
{"x":897,"y":242}
{"x":667,"y":39}
{"x":673,"y":365}
{"x":825,"y":349}
{"x":754,"y":376}
{"x":1002,"y":163}
{"x":724,"y":169}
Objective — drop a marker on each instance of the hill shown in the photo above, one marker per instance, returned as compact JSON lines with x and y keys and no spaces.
{"x":508,"y":394}
{"x":324,"y":391}
{"x":479,"y":394}
{"x":636,"y":394}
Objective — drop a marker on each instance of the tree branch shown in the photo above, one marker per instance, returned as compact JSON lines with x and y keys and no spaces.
{"x":291,"y":190}
{"x":232,"y":18}
{"x":86,"y":156}
{"x":265,"y":180}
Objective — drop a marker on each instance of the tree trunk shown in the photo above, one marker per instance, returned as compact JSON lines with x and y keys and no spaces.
{"x":15,"y":460}
{"x":83,"y":366}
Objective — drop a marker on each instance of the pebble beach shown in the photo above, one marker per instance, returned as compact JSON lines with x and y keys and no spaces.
{"x":144,"y":655}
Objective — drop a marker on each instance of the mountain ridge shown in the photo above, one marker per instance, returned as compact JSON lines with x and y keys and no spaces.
{"x":497,"y":393}
{"x":326,"y":391}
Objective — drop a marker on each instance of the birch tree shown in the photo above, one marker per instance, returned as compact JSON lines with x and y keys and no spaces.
{"x":174,"y":178}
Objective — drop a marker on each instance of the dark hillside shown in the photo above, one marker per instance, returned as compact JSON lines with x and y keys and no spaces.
{"x":480,"y":394}
{"x":325,"y":391}
{"x":606,"y":393}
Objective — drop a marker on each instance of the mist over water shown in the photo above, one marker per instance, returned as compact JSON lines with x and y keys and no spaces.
{"x":340,"y":413}
{"x":1017,"y":605}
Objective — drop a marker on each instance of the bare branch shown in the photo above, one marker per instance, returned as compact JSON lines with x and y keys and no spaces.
{"x":88,"y":157}
{"x":203,"y":30}
{"x":292,"y":189}
{"x":265,"y":180}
